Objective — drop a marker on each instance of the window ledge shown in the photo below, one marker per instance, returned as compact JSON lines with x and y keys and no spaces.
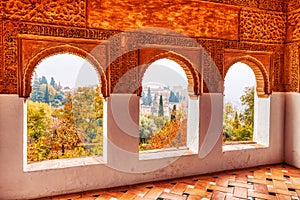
{"x":165,"y":153}
{"x":63,"y":163}
{"x":236,"y":146}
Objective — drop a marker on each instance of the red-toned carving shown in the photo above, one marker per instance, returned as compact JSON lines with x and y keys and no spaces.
{"x":259,"y":62}
{"x":212,"y":65}
{"x":192,"y":69}
{"x":262,"y":26}
{"x":66,"y":32}
{"x":193,"y":18}
{"x":274,"y":5}
{"x":277,"y":72}
{"x":9,"y":78}
{"x":292,"y":68}
{"x":293,"y":5}
{"x":2,"y":69}
{"x":64,"y":12}
{"x":293,"y":26}
{"x":26,"y":70}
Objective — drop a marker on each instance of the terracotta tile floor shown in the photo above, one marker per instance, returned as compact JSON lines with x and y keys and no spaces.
{"x":279,"y":181}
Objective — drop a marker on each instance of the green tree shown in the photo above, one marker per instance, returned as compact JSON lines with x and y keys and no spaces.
{"x":46,"y":95}
{"x":144,"y":100}
{"x":236,"y":122}
{"x":43,"y":80}
{"x":52,"y":83}
{"x":147,"y":128}
{"x":147,"y":100}
{"x":173,"y":98}
{"x":161,"y":107}
{"x":248,"y":101}
{"x":37,"y":93}
{"x":228,"y":113}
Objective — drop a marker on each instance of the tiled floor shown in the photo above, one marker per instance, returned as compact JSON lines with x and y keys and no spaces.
{"x":265,"y":182}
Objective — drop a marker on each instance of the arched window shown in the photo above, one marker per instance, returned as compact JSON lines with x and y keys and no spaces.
{"x":165,"y":107}
{"x":65,"y":110}
{"x":243,"y":109}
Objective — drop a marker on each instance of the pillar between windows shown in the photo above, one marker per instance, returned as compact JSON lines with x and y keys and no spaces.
{"x":211,"y":119}
{"x":122,"y":132}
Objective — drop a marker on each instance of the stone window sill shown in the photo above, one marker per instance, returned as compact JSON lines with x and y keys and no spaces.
{"x":165,"y":153}
{"x":63,"y":163}
{"x":237,"y":146}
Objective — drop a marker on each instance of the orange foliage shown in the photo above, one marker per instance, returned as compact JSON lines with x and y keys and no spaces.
{"x":165,"y":136}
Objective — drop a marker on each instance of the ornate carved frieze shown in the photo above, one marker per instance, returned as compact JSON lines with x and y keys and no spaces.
{"x":293,"y":26}
{"x":275,"y":5}
{"x":1,"y":53}
{"x":69,"y":32}
{"x":62,"y":12}
{"x":262,"y":26}
{"x":125,"y":77}
{"x":169,"y":40}
{"x":212,"y":65}
{"x":9,"y":78}
{"x":291,"y":69}
{"x":293,"y":5}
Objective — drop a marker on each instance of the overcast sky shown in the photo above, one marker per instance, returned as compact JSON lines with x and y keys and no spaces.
{"x":69,"y":70}
{"x":165,"y":72}
{"x":237,"y":78}
{"x":74,"y":71}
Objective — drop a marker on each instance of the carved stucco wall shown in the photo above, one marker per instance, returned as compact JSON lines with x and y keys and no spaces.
{"x":292,"y":56}
{"x":240,"y":24}
{"x":62,"y":12}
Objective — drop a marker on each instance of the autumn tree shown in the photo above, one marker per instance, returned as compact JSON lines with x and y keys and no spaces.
{"x":66,"y":138}
{"x":165,"y":136}
{"x":38,"y":129}
{"x":88,"y":115}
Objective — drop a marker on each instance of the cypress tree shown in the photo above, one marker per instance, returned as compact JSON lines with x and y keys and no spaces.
{"x":46,"y":97}
{"x":161,"y":107}
{"x":149,"y":98}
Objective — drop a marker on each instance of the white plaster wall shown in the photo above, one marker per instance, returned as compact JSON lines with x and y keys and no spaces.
{"x":262,"y":121}
{"x":292,"y":129}
{"x":16,"y":184}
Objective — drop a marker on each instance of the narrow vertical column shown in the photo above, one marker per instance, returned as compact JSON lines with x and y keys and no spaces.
{"x":262,"y":121}
{"x":211,"y":123}
{"x":122,"y":131}
{"x":193,"y":125}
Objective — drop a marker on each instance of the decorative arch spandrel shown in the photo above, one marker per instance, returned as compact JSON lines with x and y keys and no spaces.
{"x":193,"y":75}
{"x":25,"y":74}
{"x":263,"y":84}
